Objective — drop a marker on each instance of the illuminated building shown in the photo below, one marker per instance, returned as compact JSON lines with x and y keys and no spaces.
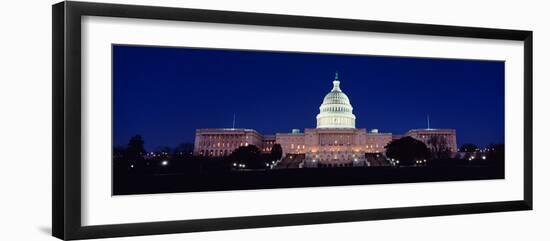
{"x":334,"y":142}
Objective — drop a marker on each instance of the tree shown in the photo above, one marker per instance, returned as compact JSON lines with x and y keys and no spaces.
{"x":439,"y":147}
{"x":135,"y":149}
{"x":469,"y":147}
{"x":249,"y":156}
{"x":276,"y":152}
{"x":407,"y":150}
{"x":134,"y":153}
{"x":129,"y":159}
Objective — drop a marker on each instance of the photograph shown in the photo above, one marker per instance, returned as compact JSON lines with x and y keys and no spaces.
{"x":166,"y":119}
{"x":190,"y":119}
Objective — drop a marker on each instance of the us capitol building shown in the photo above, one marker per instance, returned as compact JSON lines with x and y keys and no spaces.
{"x":335,"y":142}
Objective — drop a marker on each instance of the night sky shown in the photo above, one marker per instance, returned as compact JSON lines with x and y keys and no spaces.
{"x":164,"y":94}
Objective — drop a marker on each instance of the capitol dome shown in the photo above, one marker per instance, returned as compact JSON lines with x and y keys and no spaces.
{"x":336,"y":110}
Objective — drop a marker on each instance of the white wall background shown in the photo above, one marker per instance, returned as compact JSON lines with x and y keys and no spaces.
{"x":25,"y":117}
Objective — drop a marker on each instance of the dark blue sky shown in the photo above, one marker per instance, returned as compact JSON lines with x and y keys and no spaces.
{"x":164,"y":94}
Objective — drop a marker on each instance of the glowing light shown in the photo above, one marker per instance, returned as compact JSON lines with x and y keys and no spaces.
{"x":483,"y":157}
{"x":164,"y":163}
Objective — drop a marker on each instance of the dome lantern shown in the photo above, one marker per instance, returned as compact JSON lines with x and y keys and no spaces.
{"x":336,"y":83}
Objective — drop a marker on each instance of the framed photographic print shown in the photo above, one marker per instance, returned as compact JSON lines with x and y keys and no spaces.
{"x":170,"y":120}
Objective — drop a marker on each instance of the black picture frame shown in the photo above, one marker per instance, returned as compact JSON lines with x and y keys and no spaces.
{"x":67,"y":134}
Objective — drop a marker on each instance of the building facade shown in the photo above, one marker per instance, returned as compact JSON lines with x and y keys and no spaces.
{"x":430,"y":137}
{"x":376,"y":142}
{"x":267,"y":143}
{"x":327,"y":147}
{"x":293,"y":143}
{"x":222,"y":142}
{"x":334,"y":142}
